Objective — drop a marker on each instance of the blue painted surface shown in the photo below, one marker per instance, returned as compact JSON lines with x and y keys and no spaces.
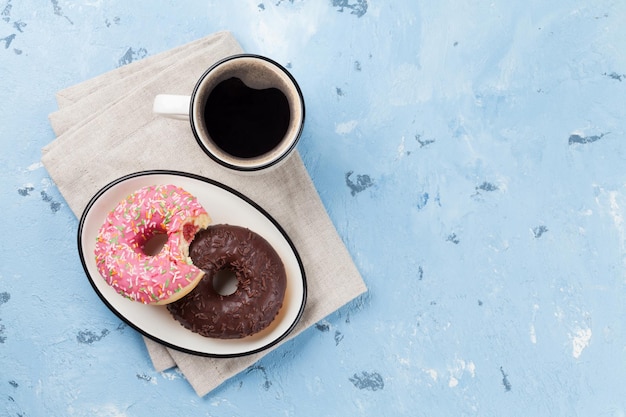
{"x":470,"y":154}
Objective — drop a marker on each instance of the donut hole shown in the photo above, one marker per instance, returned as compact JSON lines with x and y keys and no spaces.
{"x":225,"y":282}
{"x":155,"y":243}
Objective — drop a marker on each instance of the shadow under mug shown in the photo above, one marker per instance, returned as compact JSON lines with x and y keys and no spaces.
{"x":246,"y":112}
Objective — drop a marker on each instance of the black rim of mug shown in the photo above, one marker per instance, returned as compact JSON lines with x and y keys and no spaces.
{"x":199,"y":139}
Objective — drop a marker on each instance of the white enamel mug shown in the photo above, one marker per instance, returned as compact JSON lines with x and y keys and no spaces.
{"x":222,"y":128}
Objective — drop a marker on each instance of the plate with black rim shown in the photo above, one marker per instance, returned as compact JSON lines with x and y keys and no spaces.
{"x":225,"y":206}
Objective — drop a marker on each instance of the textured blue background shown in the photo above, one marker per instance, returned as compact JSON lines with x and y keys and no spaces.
{"x":470,"y":153}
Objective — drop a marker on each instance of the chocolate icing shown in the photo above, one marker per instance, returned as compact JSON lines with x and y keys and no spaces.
{"x":261,"y":283}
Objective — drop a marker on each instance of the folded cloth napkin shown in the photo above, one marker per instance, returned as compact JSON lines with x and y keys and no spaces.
{"x":105,"y":129}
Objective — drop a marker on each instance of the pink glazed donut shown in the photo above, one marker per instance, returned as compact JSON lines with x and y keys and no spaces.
{"x":120,"y":251}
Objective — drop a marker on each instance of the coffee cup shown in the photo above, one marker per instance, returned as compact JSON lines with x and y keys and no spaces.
{"x":246,"y":112}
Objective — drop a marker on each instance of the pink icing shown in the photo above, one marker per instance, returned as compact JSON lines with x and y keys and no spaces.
{"x":119,"y":247}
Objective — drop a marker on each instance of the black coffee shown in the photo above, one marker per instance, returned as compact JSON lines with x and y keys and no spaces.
{"x":246,"y":122}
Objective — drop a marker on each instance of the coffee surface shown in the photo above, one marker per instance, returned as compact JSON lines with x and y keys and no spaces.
{"x":246,"y":122}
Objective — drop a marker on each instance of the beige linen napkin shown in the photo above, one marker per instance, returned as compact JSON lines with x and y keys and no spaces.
{"x":105,"y":129}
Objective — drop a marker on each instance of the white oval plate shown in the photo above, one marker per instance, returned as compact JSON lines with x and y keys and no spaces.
{"x":224,"y":205}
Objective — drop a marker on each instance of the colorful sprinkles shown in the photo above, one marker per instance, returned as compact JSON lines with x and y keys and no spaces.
{"x":119,"y":252}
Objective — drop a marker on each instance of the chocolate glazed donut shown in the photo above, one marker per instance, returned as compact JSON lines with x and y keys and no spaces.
{"x":261,"y":282}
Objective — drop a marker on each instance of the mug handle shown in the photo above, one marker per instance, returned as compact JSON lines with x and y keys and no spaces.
{"x":172,"y":106}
